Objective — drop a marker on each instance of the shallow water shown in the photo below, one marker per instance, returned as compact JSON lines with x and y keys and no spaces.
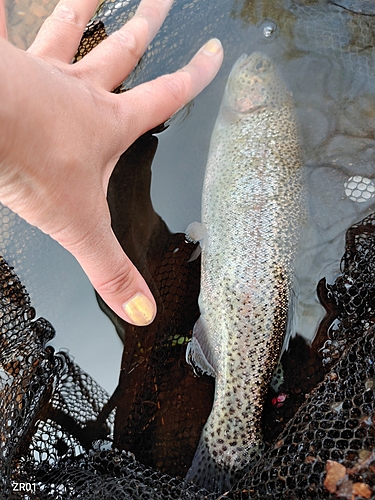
{"x":327,"y":58}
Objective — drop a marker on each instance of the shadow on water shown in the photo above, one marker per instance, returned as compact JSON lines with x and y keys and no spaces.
{"x":161,"y":405}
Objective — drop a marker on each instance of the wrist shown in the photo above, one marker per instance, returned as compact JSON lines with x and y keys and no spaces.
{"x":8,"y":91}
{"x":25,"y":120}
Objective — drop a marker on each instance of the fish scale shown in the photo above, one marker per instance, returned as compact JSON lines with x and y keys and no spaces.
{"x":253,"y":207}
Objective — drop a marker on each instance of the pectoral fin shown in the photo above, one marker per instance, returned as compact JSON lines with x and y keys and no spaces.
{"x":195,"y":232}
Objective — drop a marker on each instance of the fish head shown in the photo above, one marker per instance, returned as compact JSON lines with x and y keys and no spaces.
{"x":254,"y":85}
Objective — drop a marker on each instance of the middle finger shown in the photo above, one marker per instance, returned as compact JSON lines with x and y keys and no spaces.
{"x":114,"y":59}
{"x":59,"y":35}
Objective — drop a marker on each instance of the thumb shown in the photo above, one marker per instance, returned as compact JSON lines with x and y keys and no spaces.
{"x":114,"y":276}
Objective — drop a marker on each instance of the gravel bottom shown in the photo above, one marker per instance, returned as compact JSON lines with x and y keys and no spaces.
{"x":24,"y":18}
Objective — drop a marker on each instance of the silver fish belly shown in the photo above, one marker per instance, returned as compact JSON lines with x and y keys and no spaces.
{"x":253,"y":205}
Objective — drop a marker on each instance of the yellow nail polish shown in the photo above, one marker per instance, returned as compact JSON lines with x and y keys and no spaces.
{"x":139,"y":309}
{"x":212,"y":47}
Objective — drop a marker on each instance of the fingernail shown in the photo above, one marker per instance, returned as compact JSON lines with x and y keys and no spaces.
{"x":139,"y":309}
{"x":212,"y":47}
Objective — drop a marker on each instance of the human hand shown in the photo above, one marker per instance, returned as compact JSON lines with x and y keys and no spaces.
{"x":63,"y":132}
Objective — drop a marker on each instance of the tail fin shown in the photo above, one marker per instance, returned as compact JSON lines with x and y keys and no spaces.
{"x":206,"y":473}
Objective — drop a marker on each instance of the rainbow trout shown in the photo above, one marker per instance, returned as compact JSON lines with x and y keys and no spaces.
{"x":253,"y":205}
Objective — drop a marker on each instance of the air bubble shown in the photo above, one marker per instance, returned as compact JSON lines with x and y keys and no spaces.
{"x":269,"y":29}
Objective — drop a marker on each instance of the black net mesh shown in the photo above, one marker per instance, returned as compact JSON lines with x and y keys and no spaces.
{"x":350,"y":301}
{"x":56,"y":423}
{"x":335,"y":423}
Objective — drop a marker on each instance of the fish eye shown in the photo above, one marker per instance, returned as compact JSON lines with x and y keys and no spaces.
{"x":261,"y":66}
